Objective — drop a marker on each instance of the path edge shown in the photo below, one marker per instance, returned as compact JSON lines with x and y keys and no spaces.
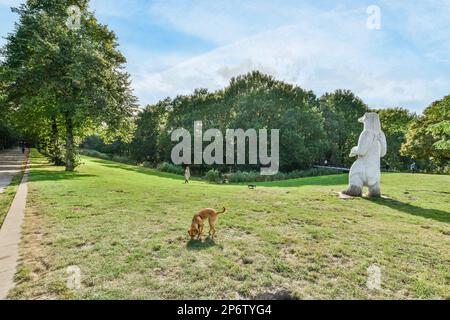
{"x":11,"y":233}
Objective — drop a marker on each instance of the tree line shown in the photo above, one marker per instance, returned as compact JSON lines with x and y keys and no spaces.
{"x":61,"y":84}
{"x":62,"y":88}
{"x":313,"y":130}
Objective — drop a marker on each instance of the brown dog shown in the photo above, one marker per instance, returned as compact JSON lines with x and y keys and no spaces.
{"x":198,"y":224}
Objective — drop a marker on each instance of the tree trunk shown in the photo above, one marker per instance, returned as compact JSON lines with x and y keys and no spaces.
{"x":70,"y":147}
{"x":55,"y":150}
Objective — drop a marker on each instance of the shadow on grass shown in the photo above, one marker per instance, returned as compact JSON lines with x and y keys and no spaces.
{"x":438,"y":215}
{"x":42,"y":165}
{"x":133,"y":168}
{"x":330,"y":180}
{"x":44,"y":175}
{"x":338,"y":179}
{"x":200,"y":245}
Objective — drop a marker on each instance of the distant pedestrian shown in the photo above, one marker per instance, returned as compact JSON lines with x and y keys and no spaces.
{"x":23,"y":149}
{"x":413,"y":167}
{"x":187,"y":174}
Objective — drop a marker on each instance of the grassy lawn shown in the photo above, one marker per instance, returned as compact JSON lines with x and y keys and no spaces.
{"x":126,"y":229}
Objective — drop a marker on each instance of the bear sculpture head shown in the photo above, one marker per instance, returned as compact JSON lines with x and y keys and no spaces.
{"x":371,"y":122}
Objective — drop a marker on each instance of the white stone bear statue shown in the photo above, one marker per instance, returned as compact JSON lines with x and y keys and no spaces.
{"x":366,"y":169}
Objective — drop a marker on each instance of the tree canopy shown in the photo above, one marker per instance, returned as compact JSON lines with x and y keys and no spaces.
{"x":428,"y":136}
{"x":395,"y":123}
{"x":341,"y":111}
{"x":70,"y":80}
{"x":62,"y":81}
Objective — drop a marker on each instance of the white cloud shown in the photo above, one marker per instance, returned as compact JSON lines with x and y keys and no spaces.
{"x":424,"y":24}
{"x":11,"y":3}
{"x":224,"y":22}
{"x":119,"y":8}
{"x":318,"y":45}
{"x":322,"y":51}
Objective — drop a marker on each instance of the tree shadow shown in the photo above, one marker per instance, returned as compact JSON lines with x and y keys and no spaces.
{"x":200,"y":245}
{"x":133,"y":168}
{"x":329,"y":180}
{"x":435,"y":214}
{"x":17,"y":167}
{"x":44,"y":175}
{"x":10,"y":162}
{"x":33,"y":166}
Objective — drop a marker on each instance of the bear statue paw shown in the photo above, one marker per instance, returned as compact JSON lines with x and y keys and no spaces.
{"x":353,"y":191}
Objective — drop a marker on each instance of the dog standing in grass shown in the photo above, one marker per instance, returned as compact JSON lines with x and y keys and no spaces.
{"x":197,"y":225}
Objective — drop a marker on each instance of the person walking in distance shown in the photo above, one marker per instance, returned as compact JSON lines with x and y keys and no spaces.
{"x":187,"y":174}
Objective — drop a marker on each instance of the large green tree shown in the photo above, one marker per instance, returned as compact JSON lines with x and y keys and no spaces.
{"x":428,"y":137}
{"x":8,"y":135}
{"x":150,"y":122}
{"x":259,"y":101}
{"x":341,"y":111}
{"x":395,"y":123}
{"x":68,"y":80}
{"x":255,"y":101}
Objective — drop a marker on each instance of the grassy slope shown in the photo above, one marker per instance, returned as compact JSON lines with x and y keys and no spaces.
{"x":126,"y":228}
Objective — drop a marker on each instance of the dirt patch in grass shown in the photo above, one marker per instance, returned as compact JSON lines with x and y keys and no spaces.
{"x":85,"y":246}
{"x":274,"y":294}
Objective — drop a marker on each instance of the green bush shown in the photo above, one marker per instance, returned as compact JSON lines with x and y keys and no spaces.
{"x":104,"y":156}
{"x":95,"y":154}
{"x":213,"y":175}
{"x":148,"y":164}
{"x":123,"y":159}
{"x":254,"y":176}
{"x":244,"y":176}
{"x":171,"y":168}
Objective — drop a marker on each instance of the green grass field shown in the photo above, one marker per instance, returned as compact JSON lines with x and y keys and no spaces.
{"x":126,"y":229}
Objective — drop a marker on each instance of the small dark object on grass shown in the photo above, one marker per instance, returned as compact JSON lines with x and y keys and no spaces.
{"x":252,"y":186}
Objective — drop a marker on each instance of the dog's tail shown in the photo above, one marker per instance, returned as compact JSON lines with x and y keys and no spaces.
{"x":223,"y":211}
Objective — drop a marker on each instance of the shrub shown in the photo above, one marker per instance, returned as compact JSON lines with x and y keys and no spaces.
{"x":171,"y":168}
{"x":253,"y":176}
{"x":245,"y":176}
{"x":148,"y":164}
{"x":104,"y":156}
{"x":123,"y":159}
{"x":95,"y":154}
{"x":213,"y":175}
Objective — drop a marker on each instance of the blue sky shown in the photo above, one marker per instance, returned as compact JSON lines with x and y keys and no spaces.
{"x":174,"y":46}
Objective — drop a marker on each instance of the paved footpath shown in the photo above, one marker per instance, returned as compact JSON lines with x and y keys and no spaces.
{"x":10,"y":232}
{"x":10,"y":165}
